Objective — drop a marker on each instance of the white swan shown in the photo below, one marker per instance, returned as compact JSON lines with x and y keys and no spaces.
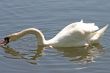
{"x":73,"y":35}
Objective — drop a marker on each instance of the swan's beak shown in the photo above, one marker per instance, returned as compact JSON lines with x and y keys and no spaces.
{"x":5,"y":41}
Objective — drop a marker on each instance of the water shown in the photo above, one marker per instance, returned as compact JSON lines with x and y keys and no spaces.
{"x":51,"y":16}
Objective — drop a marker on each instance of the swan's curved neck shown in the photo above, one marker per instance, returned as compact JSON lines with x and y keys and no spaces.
{"x":39,"y":35}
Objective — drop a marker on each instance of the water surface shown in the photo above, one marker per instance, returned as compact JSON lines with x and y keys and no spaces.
{"x":50,"y":16}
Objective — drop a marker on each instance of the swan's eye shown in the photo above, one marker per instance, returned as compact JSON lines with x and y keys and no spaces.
{"x":6,"y":40}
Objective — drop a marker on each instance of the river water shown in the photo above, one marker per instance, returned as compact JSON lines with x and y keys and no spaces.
{"x":50,"y":16}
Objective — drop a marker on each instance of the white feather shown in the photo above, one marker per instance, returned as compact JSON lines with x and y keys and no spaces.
{"x":73,"y":35}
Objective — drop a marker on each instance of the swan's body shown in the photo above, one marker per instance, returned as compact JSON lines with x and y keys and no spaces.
{"x":73,"y":35}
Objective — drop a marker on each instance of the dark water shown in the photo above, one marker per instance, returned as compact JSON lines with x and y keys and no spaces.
{"x":51,"y":16}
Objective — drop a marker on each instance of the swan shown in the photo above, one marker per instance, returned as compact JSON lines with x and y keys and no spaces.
{"x":73,"y":35}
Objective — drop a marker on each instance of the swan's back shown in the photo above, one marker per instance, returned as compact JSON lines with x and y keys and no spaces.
{"x":75,"y":34}
{"x":82,"y":27}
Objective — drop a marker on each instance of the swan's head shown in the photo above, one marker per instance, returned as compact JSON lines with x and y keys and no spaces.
{"x":6,"y":40}
{"x":10,"y":38}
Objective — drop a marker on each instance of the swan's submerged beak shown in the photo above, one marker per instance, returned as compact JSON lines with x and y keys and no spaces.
{"x":5,"y":41}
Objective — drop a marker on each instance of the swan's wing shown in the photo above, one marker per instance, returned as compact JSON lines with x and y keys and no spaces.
{"x":85,"y":27}
{"x":88,"y":27}
{"x":79,"y":27}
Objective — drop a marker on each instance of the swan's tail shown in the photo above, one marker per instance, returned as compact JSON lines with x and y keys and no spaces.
{"x":98,"y":34}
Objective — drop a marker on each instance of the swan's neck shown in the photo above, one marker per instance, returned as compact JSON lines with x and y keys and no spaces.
{"x":39,"y":35}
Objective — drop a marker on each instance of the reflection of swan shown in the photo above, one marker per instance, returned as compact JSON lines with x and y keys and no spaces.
{"x":73,"y":35}
{"x":13,"y":54}
{"x":81,"y":54}
{"x":78,"y":54}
